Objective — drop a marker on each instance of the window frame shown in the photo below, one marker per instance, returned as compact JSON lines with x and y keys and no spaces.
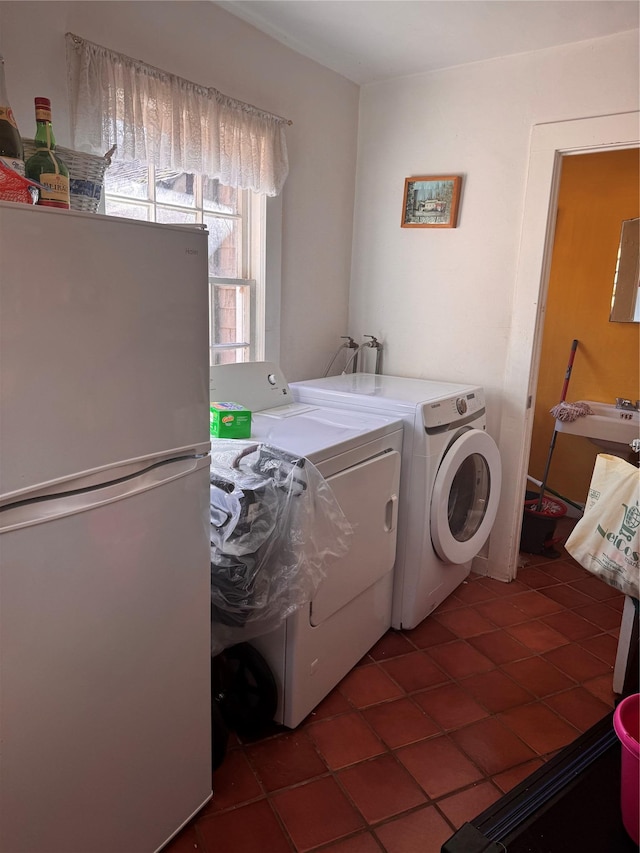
{"x":252,"y":215}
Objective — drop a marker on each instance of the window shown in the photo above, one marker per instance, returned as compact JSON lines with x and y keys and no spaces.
{"x":235,"y":222}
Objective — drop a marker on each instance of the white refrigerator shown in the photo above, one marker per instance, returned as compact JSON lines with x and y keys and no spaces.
{"x":105,"y":714}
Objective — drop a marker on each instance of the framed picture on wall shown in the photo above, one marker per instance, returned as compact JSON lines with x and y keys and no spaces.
{"x":431,"y":201}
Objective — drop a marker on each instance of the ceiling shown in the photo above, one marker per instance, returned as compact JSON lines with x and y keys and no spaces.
{"x":372,"y":40}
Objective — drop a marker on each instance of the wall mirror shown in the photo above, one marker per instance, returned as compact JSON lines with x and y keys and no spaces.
{"x":625,"y":301}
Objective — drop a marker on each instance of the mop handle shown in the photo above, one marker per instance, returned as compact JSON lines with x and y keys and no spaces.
{"x":572,"y":355}
{"x":543,"y":484}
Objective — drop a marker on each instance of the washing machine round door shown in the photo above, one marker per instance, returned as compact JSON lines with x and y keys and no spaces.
{"x":465,"y":497}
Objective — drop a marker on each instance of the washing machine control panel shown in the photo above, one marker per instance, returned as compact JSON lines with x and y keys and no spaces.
{"x":257,"y":385}
{"x":453,"y":410}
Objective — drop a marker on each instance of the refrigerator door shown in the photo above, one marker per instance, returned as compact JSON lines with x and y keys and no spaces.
{"x":105,"y":706}
{"x":103,"y":345}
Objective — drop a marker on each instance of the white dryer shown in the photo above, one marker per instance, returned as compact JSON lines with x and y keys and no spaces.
{"x":359,"y":455}
{"x":450,"y":481}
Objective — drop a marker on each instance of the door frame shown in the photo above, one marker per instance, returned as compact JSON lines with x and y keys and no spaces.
{"x":549,"y":143}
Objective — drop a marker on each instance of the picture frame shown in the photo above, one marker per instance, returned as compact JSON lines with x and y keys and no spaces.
{"x":431,"y":201}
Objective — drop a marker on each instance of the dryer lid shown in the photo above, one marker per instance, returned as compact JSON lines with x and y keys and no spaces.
{"x":320,"y":433}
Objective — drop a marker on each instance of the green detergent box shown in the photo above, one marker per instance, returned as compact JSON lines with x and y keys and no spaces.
{"x":229,"y":420}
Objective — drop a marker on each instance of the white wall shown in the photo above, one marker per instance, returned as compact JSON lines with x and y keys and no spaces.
{"x":442,"y":300}
{"x":205,"y":44}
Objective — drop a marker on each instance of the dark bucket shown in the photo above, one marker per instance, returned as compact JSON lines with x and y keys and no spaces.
{"x":539,"y":527}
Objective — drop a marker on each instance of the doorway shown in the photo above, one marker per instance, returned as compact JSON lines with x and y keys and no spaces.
{"x":549,"y":144}
{"x":597,"y":192}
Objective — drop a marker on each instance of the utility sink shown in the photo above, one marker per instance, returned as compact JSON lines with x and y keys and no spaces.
{"x":609,"y":428}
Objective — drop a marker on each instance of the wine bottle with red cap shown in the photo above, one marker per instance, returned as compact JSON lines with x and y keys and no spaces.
{"x":45,"y":166}
{"x":11,"y":150}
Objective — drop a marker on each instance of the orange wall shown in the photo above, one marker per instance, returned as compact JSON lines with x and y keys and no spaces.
{"x":597,"y":191}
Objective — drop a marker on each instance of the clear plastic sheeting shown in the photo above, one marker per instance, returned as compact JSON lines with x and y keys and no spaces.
{"x":275,"y":523}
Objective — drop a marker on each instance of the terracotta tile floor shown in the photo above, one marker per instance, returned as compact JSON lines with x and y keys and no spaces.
{"x":430,"y":728}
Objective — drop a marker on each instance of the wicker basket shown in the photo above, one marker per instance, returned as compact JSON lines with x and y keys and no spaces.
{"x":86,"y":174}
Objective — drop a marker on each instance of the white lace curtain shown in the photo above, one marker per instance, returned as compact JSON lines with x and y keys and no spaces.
{"x":160,"y":118}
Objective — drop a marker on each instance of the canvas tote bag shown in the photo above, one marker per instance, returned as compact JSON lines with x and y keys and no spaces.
{"x":606,"y":540}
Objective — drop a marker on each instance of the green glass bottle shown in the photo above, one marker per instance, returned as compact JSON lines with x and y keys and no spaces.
{"x":11,"y":151}
{"x":45,"y":166}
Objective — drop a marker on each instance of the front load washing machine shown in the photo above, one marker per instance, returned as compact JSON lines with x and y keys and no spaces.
{"x":358,"y":454}
{"x":449,"y":485}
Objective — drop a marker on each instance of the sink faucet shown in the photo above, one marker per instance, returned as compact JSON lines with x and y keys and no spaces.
{"x":628,"y":405}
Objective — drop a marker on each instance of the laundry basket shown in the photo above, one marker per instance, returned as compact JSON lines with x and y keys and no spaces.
{"x":86,"y":174}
